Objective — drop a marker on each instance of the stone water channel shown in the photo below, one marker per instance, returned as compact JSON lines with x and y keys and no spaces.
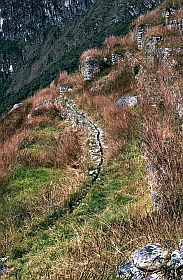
{"x":93,"y":132}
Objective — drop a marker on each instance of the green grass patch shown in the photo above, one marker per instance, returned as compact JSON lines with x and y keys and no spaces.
{"x":99,"y":207}
{"x":25,"y":185}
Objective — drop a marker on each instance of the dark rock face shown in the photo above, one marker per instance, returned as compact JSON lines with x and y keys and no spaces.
{"x":23,"y":21}
{"x":27,"y":19}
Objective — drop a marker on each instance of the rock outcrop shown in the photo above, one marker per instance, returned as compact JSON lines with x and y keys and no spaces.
{"x":90,"y":67}
{"x":153,"y":263}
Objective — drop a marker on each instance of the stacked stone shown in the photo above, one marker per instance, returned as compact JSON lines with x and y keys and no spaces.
{"x":140,"y":37}
{"x":151,"y":46}
{"x":151,"y":262}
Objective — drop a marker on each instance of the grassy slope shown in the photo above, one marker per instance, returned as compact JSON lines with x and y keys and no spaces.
{"x":106,"y":203}
{"x":55,"y":223}
{"x":50,"y":219}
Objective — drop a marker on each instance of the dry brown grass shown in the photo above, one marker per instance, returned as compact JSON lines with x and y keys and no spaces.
{"x":125,"y":43}
{"x":163,"y":136}
{"x":92,"y":53}
{"x":75,"y":80}
{"x":13,"y":122}
{"x":63,"y":77}
{"x":173,"y":42}
{"x":163,"y":31}
{"x":178,"y":15}
{"x":69,"y":148}
{"x":9,"y":151}
{"x":171,"y":4}
{"x":43,"y":94}
{"x":96,"y":255}
{"x":151,"y":18}
{"x":159,"y":30}
{"x":118,"y":123}
{"x":62,"y":150}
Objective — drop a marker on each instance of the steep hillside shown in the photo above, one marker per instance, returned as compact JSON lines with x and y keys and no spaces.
{"x":91,"y":166}
{"x":38,"y":39}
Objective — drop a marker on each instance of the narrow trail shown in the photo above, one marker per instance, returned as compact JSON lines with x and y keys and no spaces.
{"x":94,"y":134}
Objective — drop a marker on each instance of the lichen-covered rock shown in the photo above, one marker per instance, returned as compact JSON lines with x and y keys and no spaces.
{"x":127,"y":101}
{"x":90,"y":68}
{"x":151,"y":257}
{"x":128,"y":271}
{"x":176,"y":261}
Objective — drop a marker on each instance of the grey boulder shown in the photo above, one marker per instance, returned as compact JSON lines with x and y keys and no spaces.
{"x":127,"y":101}
{"x":128,"y":271}
{"x":150,"y":258}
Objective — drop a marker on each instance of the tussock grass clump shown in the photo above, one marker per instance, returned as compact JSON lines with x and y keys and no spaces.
{"x":124,"y":43}
{"x":98,"y":53}
{"x":13,"y":122}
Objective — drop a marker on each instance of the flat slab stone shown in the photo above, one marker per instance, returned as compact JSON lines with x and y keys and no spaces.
{"x":151,"y":257}
{"x":128,"y":271}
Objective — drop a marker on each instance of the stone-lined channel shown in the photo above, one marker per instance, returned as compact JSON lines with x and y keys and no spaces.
{"x":94,"y":134}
